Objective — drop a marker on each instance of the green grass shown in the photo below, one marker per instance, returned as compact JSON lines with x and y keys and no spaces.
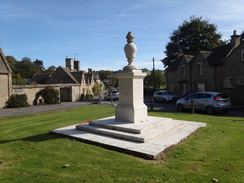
{"x":28,"y":153}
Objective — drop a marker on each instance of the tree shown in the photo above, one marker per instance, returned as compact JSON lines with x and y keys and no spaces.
{"x":159,"y":80}
{"x":18,"y":80}
{"x":39,"y":67}
{"x":190,"y":37}
{"x":50,"y":69}
{"x":242,"y":35}
{"x":12,"y":63}
{"x":26,"y":68}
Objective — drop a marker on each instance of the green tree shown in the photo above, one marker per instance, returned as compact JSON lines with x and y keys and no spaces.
{"x":192,"y":36}
{"x":159,"y":80}
{"x":50,"y":69}
{"x":103,"y":74}
{"x":18,"y":80}
{"x":39,"y":67}
{"x":12,"y":63}
{"x":26,"y":68}
{"x":242,"y":35}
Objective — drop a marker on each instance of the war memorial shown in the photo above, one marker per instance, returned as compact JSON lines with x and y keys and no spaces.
{"x":131,"y":130}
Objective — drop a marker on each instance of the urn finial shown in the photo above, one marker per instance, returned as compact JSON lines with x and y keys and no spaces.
{"x":129,"y":37}
{"x":130,"y":52}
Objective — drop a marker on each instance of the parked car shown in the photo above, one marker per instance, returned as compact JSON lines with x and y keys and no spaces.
{"x":210,"y":102}
{"x":114,"y":95}
{"x":165,"y":96}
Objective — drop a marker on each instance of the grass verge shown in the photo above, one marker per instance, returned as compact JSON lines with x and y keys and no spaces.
{"x":28,"y":153}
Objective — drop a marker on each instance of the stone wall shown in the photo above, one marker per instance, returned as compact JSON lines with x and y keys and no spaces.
{"x":30,"y":91}
{"x":5,"y":90}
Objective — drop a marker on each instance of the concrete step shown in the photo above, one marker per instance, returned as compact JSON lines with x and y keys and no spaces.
{"x":138,"y":128}
{"x":148,"y":135}
{"x":148,"y":150}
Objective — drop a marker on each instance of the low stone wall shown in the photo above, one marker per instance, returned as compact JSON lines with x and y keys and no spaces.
{"x":74,"y":92}
{"x":30,"y":91}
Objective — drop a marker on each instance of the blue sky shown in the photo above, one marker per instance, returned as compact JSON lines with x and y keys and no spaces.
{"x":94,"y":31}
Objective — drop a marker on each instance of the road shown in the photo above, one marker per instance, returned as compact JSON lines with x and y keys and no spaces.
{"x":237,"y":111}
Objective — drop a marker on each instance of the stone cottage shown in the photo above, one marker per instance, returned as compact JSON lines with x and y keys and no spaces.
{"x":220,"y":69}
{"x":73,"y":82}
{"x":5,"y":80}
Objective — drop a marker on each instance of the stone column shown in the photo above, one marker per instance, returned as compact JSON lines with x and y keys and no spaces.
{"x":131,"y":107}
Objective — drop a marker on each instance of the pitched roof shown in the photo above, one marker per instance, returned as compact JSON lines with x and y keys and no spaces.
{"x":78,"y":75}
{"x":175,"y":64}
{"x":62,"y":75}
{"x":4,"y":66}
{"x":41,"y":78}
{"x":218,"y":54}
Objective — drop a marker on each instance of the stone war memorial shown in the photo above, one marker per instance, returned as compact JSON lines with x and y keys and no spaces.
{"x":131,"y":130}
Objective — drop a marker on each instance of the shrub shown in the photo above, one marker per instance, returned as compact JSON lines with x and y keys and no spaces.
{"x":49,"y":94}
{"x":96,"y":89}
{"x":16,"y":101}
{"x":82,"y":96}
{"x":89,"y":96}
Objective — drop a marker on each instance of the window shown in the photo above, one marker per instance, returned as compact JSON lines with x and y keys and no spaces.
{"x":183,"y":87}
{"x":193,"y":96}
{"x":240,"y":81}
{"x":228,"y":82}
{"x":242,"y":55}
{"x":204,"y":95}
{"x":200,"y":87}
{"x":199,"y":69}
{"x":183,"y":70}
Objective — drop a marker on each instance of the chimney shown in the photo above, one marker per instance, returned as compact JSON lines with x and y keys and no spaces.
{"x":77,"y":65}
{"x":235,"y":39}
{"x":68,"y":62}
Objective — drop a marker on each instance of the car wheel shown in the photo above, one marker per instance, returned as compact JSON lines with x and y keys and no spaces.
{"x":180,"y":107}
{"x":164,"y":100}
{"x":210,"y":110}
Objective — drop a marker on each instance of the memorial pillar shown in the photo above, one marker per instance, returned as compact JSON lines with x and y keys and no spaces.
{"x":131,"y":107}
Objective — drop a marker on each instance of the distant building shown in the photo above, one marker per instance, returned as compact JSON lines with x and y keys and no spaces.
{"x":220,"y":69}
{"x":73,"y":82}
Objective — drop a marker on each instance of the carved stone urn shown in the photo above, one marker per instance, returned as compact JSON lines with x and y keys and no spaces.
{"x":130,"y":52}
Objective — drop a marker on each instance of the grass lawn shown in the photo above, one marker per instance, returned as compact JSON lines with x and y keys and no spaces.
{"x":28,"y":153}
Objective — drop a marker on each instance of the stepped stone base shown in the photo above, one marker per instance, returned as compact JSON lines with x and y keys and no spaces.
{"x":146,"y":139}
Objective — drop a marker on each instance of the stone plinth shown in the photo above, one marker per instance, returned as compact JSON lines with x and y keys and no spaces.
{"x":131,"y":107}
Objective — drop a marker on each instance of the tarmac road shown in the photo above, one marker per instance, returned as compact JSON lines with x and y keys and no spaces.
{"x":237,"y":111}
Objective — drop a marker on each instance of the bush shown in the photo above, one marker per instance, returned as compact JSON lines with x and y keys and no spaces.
{"x":82,"y":96}
{"x":50,"y":95}
{"x":16,"y":101}
{"x":89,"y":96}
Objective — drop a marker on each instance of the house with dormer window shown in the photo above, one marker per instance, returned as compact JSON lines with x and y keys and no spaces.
{"x":220,"y":69}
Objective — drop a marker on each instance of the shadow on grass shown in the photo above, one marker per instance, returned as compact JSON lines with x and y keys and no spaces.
{"x":217,"y":114}
{"x":34,"y":138}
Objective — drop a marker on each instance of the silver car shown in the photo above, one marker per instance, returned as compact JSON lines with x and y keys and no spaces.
{"x":165,"y":96}
{"x":113,"y":94}
{"x":210,"y":102}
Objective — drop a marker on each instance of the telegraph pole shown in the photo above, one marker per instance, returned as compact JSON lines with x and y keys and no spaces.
{"x":154,"y":83}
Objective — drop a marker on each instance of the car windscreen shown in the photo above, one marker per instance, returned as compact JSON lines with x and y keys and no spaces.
{"x":222,"y":95}
{"x":167,"y":93}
